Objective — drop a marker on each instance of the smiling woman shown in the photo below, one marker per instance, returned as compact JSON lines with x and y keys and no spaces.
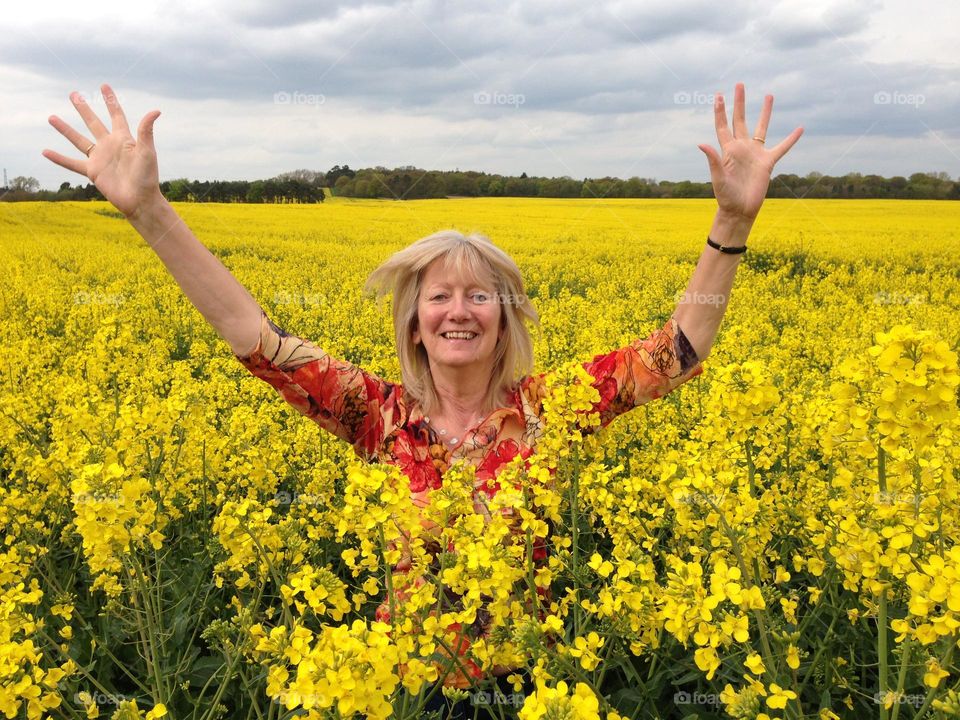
{"x":460,"y":320}
{"x":466,"y":396}
{"x":460,"y":342}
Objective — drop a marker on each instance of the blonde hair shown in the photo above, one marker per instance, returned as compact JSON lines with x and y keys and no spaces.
{"x":475,"y":255}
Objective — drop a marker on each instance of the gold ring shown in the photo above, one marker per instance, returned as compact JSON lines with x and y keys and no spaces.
{"x":757,"y":137}
{"x":87,"y":151}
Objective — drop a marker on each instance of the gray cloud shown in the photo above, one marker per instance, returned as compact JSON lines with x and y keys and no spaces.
{"x":549,"y":87}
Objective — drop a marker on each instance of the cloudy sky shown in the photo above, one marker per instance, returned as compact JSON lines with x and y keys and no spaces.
{"x":249,"y":89}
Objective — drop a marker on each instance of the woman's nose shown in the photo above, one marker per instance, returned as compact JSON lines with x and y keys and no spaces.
{"x":459,"y":307}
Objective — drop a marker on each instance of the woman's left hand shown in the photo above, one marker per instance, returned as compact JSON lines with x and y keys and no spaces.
{"x":741,"y":175}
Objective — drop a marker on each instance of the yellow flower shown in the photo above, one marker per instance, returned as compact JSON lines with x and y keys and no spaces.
{"x":755,"y":664}
{"x":585,"y":648}
{"x":934,"y":673}
{"x":555,"y":702}
{"x":778,"y":697}
{"x":516,"y":681}
{"x":552,"y":624}
{"x":707,"y":660}
{"x":159,"y":710}
{"x":602,"y":567}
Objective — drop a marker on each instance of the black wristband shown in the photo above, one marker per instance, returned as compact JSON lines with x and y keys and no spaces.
{"x":726,"y":250}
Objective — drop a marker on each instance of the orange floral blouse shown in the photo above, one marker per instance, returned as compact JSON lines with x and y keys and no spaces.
{"x":383,"y":425}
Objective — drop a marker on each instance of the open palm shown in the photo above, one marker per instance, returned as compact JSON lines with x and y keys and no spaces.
{"x":124,"y":169}
{"x":741,"y":175}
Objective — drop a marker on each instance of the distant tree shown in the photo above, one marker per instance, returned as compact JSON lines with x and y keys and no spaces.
{"x":343,"y":186}
{"x":255,"y":192}
{"x":337,"y":172}
{"x":304,"y":176}
{"x":178,"y":190}
{"x":24,"y":184}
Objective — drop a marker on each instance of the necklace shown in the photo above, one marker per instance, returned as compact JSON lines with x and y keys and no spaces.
{"x":443,"y":432}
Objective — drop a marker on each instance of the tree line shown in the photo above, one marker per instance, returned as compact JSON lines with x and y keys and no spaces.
{"x":298,"y":186}
{"x":410,"y":183}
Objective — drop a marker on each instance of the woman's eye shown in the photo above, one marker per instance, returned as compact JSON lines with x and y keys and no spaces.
{"x":481,"y":297}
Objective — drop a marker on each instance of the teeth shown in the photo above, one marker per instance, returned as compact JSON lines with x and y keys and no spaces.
{"x":459,"y":335}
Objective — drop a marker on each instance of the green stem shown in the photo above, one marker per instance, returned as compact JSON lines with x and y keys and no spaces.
{"x":882,"y":612}
{"x":83,"y":671}
{"x":531,"y":576}
{"x":148,"y":634}
{"x":759,"y":615}
{"x":574,"y":536}
{"x":881,"y":468}
{"x":388,"y":575}
{"x":213,"y":703}
{"x":945,"y":660}
{"x":813,"y":663}
{"x":902,"y":677}
{"x":751,"y":470}
{"x":573,"y":669}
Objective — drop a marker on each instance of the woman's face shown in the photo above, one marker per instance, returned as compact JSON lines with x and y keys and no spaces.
{"x":466,"y":306}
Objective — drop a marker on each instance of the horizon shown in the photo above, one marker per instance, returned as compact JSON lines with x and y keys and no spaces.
{"x":617,"y":89}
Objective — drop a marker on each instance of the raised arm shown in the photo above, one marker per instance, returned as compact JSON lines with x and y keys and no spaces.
{"x":125,"y":170}
{"x":740,"y":178}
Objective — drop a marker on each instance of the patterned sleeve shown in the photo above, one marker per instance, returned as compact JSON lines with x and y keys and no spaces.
{"x":340,"y":397}
{"x":642,"y":371}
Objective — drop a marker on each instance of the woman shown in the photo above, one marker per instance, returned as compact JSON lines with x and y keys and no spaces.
{"x":460,"y":318}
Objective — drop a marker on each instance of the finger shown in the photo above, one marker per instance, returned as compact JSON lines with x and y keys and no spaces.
{"x":720,"y":120}
{"x":80,"y":142}
{"x":764,"y":120}
{"x":781,"y":148}
{"x":145,"y":129}
{"x":117,"y":119}
{"x":89,"y":117}
{"x":77,"y":166}
{"x":712,"y":158}
{"x":739,"y":113}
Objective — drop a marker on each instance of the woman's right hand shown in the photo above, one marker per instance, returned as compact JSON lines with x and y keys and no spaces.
{"x":123,"y":169}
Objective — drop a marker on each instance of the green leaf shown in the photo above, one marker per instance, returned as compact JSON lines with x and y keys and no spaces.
{"x":205,"y":668}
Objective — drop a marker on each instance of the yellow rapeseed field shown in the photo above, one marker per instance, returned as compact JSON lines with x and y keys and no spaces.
{"x":777,"y":538}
